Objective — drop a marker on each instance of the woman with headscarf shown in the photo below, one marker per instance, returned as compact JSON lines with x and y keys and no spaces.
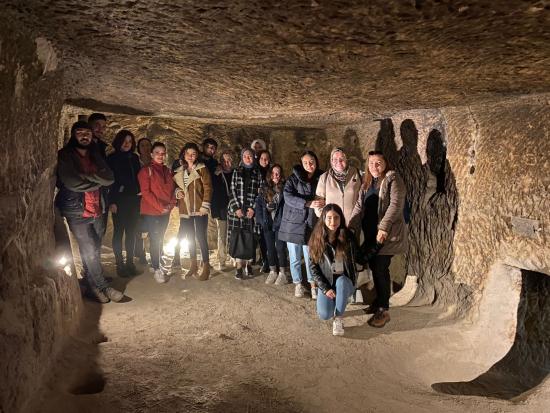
{"x":340,"y":185}
{"x":245,"y":186}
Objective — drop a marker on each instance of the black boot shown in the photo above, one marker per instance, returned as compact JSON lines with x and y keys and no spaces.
{"x":131,"y":269}
{"x":120,"y":267}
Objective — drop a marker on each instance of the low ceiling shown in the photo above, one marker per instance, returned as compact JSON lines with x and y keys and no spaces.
{"x":332,"y":60}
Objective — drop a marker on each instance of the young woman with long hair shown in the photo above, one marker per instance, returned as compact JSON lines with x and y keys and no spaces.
{"x":380,"y":206}
{"x":333,"y":252}
{"x":299,"y":218}
{"x":194,"y":194}
{"x":124,"y":200}
{"x":269,"y":208}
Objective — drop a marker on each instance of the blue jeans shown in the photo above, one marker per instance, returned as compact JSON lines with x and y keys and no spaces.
{"x":88,"y":233}
{"x":156,"y":224}
{"x":327,"y":307}
{"x":295,"y":257}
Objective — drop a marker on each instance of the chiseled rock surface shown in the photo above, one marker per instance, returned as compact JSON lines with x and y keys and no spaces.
{"x":300,"y":60}
{"x":39,"y":305}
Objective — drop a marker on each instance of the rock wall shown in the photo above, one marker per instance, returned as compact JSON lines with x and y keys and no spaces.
{"x":468,"y":172}
{"x":39,"y":304}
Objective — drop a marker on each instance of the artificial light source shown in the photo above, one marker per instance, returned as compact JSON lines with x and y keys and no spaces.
{"x":62,"y":261}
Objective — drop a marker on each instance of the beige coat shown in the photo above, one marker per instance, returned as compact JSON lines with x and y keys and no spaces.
{"x":330,"y":191}
{"x":390,"y":213}
{"x":197,"y":194}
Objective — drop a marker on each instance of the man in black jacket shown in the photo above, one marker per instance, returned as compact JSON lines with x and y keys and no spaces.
{"x":81,"y":174}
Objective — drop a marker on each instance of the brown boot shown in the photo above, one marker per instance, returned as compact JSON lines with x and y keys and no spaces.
{"x":193,"y":269}
{"x":380,"y":318}
{"x":205,"y":272}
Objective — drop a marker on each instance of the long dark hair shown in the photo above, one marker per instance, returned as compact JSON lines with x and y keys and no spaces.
{"x":120,"y":137}
{"x":272,"y":187}
{"x":320,"y":236}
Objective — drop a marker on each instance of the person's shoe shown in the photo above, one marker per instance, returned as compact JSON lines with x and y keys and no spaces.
{"x":205,"y":272}
{"x":272,"y":277}
{"x":192,"y":269}
{"x":113,"y":295}
{"x":281,"y":279}
{"x":299,"y":290}
{"x":98,"y":295}
{"x":265,"y":268}
{"x":338,"y":327}
{"x":380,"y":318}
{"x":249,"y":271}
{"x":159,"y":276}
{"x":371,"y":309}
{"x":239,"y":274}
{"x":143,"y":260}
{"x":313,"y":293}
{"x":131,"y":270}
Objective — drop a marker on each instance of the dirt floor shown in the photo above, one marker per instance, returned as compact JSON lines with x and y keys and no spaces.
{"x":242,"y":346}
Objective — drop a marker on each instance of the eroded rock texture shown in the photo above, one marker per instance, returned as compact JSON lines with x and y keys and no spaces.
{"x":309,"y":60}
{"x":38,"y":304}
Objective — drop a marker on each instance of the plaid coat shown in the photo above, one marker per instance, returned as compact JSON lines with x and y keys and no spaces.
{"x":241,"y":199}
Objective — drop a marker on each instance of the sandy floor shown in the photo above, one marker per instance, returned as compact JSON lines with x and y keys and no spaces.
{"x":242,"y":346}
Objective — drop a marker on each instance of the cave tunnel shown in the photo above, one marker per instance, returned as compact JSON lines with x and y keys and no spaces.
{"x":455,"y":94}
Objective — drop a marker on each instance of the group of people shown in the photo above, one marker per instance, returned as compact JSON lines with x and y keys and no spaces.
{"x":338,"y":221}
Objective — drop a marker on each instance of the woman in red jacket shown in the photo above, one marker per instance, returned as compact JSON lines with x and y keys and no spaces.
{"x":157,"y":200}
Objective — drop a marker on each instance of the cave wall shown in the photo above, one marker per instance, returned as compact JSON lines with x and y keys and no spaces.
{"x":39,"y":304}
{"x":468,"y":170}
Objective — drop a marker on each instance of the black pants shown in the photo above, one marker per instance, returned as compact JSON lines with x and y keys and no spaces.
{"x":380,"y":267}
{"x":125,"y":224}
{"x":191,"y":228}
{"x":156,"y":225}
{"x":88,"y":233}
{"x":276,"y":250}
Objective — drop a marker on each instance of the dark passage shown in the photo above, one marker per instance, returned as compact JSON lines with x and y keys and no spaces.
{"x":527,"y":363}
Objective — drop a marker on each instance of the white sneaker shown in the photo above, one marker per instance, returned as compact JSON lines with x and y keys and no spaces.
{"x":281,"y":279}
{"x":299,"y":290}
{"x":159,"y":276}
{"x":338,"y":327}
{"x":272,"y":277}
{"x":313,"y":293}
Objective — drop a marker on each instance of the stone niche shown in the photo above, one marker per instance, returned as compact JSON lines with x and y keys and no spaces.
{"x":39,"y":304}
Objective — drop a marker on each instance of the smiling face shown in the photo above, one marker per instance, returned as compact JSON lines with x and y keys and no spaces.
{"x":159,"y":154}
{"x":338,"y":161}
{"x":126,"y":144}
{"x":190,"y":156}
{"x":276,"y":175}
{"x":332,"y":220}
{"x":83,"y":137}
{"x":309,"y":164}
{"x":264,"y":160}
{"x":248,"y":158}
{"x":377,"y":165}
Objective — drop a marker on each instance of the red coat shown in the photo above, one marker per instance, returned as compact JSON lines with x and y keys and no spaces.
{"x":157,"y":189}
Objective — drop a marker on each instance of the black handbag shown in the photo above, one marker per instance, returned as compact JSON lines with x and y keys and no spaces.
{"x":242,"y":244}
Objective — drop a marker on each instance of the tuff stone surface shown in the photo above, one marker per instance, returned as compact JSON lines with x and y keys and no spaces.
{"x":39,"y":304}
{"x":304,"y":60}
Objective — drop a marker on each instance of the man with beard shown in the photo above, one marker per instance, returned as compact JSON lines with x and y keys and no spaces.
{"x":98,"y":123}
{"x":82,"y":173}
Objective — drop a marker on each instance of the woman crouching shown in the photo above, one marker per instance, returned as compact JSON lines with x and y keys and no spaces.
{"x":333,"y":253}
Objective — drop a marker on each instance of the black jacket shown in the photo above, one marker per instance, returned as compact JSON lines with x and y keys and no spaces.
{"x":322,"y":271}
{"x":298,"y":220}
{"x":125,"y":167}
{"x":73,"y":184}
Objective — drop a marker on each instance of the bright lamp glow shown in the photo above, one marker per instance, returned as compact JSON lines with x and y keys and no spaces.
{"x":62,"y":261}
{"x":170,"y":246}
